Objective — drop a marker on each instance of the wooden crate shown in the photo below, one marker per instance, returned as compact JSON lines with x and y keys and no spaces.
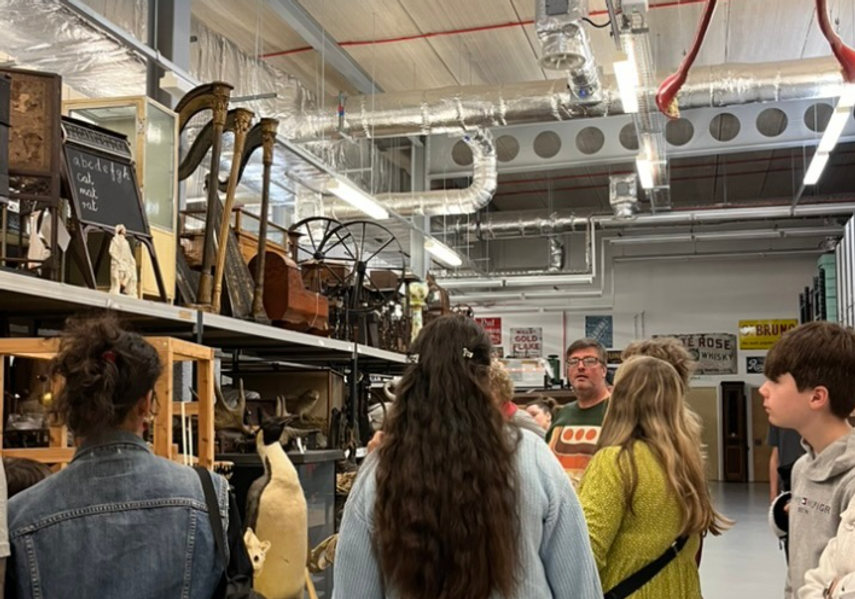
{"x":171,"y":351}
{"x":329,"y":384}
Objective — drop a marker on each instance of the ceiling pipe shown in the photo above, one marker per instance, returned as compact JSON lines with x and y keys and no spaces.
{"x":455,"y":109}
{"x":727,"y":235}
{"x":515,"y":225}
{"x":719,"y":256}
{"x":565,"y":45}
{"x":442,"y":202}
{"x":533,"y":280}
{"x":496,"y":296}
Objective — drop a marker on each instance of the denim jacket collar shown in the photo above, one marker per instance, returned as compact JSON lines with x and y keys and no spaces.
{"x":108,"y":439}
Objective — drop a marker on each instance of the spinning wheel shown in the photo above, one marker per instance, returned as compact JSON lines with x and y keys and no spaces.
{"x":352,"y":262}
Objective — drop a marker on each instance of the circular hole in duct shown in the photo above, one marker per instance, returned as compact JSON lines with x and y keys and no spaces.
{"x":725,"y":127}
{"x":590,"y":140}
{"x":772,"y":122}
{"x":507,"y":148}
{"x":628,"y":137}
{"x":461,"y":154}
{"x":817,"y":117}
{"x":679,"y":132}
{"x":547,"y":144}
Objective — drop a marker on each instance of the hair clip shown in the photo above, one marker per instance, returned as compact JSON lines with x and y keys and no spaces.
{"x":467,"y":353}
{"x":109,"y":356}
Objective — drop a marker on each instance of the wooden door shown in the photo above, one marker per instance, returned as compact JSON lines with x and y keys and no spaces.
{"x":704,"y":402}
{"x":759,"y":433}
{"x":735,"y":441}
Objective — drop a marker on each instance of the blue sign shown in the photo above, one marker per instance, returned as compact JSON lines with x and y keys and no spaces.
{"x":600,"y":328}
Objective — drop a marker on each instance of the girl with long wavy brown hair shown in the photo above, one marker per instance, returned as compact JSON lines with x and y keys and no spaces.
{"x":456,"y":503}
{"x":645,"y":487}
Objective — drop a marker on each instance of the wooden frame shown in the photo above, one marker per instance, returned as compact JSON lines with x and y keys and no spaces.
{"x":98,"y":142}
{"x":46,"y":174}
{"x":165,"y":241}
{"x":171,"y":351}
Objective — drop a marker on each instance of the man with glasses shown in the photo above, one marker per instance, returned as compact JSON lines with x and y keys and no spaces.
{"x":574,"y":434}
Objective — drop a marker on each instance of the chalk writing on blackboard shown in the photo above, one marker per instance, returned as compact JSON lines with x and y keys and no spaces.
{"x":105,"y":190}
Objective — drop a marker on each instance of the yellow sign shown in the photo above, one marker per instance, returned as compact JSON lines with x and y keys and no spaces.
{"x":762,"y":334}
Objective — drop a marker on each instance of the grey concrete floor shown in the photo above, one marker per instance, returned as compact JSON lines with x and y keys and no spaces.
{"x":745,"y":562}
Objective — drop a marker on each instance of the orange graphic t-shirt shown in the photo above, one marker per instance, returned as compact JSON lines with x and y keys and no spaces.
{"x":574,"y":436}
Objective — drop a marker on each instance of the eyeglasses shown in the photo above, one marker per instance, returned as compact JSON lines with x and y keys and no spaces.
{"x":589,"y":362}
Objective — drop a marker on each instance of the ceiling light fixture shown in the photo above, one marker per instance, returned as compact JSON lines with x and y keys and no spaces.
{"x":626,"y":75}
{"x":356,"y":197}
{"x":442,"y":252}
{"x":518,"y":281}
{"x":835,"y":128}
{"x":645,"y":172}
{"x":817,"y":165}
{"x":847,"y":98}
{"x":831,"y":135}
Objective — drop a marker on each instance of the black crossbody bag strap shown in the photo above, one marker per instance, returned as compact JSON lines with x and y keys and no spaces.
{"x":213,"y":513}
{"x":635,"y":581}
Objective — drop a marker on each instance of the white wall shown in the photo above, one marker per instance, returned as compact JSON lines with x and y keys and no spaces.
{"x":677,"y":297}
{"x":680,"y":297}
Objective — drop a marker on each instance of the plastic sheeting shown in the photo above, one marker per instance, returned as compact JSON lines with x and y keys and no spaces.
{"x":88,"y":60}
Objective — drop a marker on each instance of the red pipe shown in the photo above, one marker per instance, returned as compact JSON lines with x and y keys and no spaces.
{"x":431,"y":34}
{"x":666,"y":97}
{"x":844,"y":54}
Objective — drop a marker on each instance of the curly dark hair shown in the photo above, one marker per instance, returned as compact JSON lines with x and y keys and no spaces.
{"x":107,"y":370}
{"x":446,"y":507}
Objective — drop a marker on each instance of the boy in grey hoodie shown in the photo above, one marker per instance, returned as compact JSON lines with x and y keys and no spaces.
{"x":811,"y":389}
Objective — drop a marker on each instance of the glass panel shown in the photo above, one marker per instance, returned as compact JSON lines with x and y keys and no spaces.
{"x":159,"y":184}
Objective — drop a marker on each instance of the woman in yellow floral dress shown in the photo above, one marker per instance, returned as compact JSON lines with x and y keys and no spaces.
{"x":645,"y":487}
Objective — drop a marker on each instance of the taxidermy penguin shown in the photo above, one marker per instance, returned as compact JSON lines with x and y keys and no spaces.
{"x":276,"y":511}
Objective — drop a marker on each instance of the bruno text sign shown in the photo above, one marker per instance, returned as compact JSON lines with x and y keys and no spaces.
{"x":762,"y":334}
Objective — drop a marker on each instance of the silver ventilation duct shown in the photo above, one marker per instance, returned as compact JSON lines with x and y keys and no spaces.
{"x":566,"y":46}
{"x":443,"y":201}
{"x":453,"y":109}
{"x":623,"y":195}
{"x":515,"y":225}
{"x":556,"y":254}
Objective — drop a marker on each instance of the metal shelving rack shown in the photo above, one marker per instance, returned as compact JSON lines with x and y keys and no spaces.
{"x":46,"y":304}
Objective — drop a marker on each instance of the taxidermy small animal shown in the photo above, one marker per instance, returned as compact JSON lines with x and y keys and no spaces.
{"x":256,"y":549}
{"x":276,"y":511}
{"x":303,"y":404}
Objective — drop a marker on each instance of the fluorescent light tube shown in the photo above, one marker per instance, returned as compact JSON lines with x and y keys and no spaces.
{"x":626,"y":75}
{"x":645,"y":172}
{"x":645,"y":239}
{"x":356,"y":197}
{"x":442,"y":252}
{"x":518,"y":281}
{"x":817,"y":165}
{"x":551,"y":280}
{"x":835,"y":128}
{"x":847,"y":98}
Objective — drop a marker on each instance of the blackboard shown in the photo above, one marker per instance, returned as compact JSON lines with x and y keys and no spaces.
{"x":104,"y":190}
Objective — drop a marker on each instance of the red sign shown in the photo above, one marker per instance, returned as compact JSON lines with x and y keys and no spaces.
{"x":493,"y":326}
